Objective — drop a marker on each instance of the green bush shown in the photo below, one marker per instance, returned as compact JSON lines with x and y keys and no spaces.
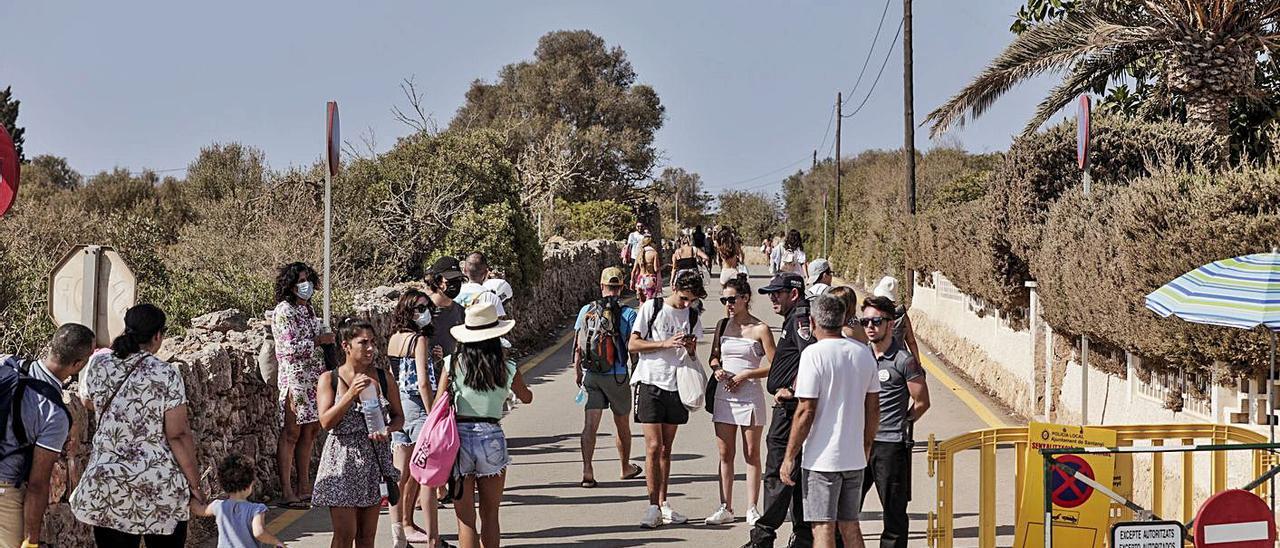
{"x":594,"y":220}
{"x":504,"y":234}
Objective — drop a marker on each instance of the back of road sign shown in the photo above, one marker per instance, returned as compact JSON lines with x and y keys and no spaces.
{"x":93,"y":287}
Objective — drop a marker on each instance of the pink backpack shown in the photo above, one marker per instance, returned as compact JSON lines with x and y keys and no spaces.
{"x":437,"y":448}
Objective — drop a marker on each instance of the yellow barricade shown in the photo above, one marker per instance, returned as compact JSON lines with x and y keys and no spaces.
{"x":941,"y":526}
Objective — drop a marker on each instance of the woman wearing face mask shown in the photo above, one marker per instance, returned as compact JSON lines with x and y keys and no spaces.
{"x":356,"y":461}
{"x":410,"y":358}
{"x":298,"y":336}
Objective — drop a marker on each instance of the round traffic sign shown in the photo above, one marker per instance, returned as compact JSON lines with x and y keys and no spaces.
{"x":333,"y":138}
{"x":1082,"y":132}
{"x":9,"y":171}
{"x":1235,"y":519}
{"x":1065,"y":490}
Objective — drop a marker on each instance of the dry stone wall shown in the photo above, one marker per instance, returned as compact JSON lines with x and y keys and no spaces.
{"x":226,"y":355}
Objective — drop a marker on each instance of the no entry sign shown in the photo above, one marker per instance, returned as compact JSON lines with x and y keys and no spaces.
{"x":1235,"y":519}
{"x":9,"y":171}
{"x":1082,"y":132}
{"x":333,"y":138}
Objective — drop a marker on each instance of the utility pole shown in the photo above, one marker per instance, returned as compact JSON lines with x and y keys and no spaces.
{"x":909,"y":127}
{"x":815,"y":160}
{"x":839,"y":117}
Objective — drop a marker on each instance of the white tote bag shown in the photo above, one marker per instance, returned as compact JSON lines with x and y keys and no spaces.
{"x":691,"y":382}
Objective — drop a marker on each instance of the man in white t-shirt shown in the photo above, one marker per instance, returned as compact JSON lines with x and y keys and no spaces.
{"x":835,"y":425}
{"x":665,"y":334}
{"x":632,"y":255}
{"x":476,"y":269}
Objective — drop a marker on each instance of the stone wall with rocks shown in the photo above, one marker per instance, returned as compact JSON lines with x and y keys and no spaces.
{"x":225,"y":356}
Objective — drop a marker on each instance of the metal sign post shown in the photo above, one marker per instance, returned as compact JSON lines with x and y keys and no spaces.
{"x":332,"y":160}
{"x":1082,"y":158}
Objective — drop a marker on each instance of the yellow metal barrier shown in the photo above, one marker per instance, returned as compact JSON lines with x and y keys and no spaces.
{"x":941,"y":527}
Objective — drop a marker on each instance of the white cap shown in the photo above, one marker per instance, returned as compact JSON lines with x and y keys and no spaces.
{"x":817,"y":268}
{"x":888,"y":287}
{"x":501,"y":287}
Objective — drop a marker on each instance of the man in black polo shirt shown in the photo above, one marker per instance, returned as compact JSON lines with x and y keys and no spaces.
{"x":786,"y":292}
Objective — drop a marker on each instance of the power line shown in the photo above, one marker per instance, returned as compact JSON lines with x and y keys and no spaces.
{"x":870,"y":50}
{"x":827,"y":133}
{"x":878,"y":74}
{"x":729,"y":186}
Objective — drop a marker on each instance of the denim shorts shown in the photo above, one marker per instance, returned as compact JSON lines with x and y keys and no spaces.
{"x":483,"y":451}
{"x":415,"y":415}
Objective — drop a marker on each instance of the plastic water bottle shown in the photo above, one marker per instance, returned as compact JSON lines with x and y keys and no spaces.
{"x":371,"y":407}
{"x":581,"y":398}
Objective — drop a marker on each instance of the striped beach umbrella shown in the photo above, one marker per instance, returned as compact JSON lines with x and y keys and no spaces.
{"x":1243,"y":292}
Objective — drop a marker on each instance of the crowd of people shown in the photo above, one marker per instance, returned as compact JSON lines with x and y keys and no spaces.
{"x":838,"y":390}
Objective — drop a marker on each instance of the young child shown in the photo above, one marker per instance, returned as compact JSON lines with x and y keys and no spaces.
{"x":241,"y":524}
{"x":647,"y":284}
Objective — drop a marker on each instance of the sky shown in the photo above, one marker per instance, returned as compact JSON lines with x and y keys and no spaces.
{"x":749,"y":86}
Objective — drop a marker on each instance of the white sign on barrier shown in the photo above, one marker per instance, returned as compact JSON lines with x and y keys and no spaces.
{"x":1147,"y":534}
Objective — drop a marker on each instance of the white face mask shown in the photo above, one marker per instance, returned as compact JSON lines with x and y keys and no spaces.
{"x":305,"y":290}
{"x":423,"y":319}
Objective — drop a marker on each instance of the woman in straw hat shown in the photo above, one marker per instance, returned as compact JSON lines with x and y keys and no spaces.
{"x":479,"y":376}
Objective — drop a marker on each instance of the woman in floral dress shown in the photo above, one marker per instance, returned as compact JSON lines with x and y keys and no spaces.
{"x":142,"y":473}
{"x":298,"y":337}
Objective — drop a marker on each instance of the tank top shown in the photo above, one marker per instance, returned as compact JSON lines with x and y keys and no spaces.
{"x":738,"y":355}
{"x":686,"y":263}
{"x":406,"y":369}
{"x":470,"y":402}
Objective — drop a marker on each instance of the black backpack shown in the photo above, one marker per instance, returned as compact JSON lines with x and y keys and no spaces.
{"x":15,"y":380}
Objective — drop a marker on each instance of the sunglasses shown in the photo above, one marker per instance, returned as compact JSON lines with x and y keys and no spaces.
{"x":865,"y":322}
{"x":421,"y":308}
{"x":729,"y":300}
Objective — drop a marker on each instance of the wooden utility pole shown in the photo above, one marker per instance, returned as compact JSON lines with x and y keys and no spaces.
{"x":815,"y":160}
{"x":839,"y":117}
{"x":909,"y":127}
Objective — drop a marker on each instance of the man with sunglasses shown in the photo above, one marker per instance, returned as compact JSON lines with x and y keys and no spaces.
{"x":904,"y":398}
{"x":785,"y":291}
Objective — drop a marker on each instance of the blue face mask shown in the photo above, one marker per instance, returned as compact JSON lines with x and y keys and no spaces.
{"x":305,"y":290}
{"x":423,"y":319}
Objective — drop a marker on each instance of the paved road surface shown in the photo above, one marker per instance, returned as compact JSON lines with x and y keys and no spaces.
{"x":545,"y":506}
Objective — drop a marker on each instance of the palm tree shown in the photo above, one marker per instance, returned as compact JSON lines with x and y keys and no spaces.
{"x":1205,"y":51}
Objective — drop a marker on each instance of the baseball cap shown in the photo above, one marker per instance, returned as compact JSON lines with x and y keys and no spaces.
{"x":612,"y":276}
{"x":783,"y":281}
{"x":446,"y":267}
{"x":817,"y":268}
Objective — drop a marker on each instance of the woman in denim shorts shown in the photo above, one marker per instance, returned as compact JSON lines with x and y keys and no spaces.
{"x":409,"y":358}
{"x":479,"y":376}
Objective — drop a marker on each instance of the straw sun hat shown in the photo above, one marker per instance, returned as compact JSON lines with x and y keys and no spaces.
{"x":481,"y":324}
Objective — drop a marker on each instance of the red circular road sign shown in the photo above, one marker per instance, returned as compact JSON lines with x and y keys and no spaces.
{"x":1065,"y":490}
{"x":1235,"y":519}
{"x":9,"y":171}
{"x":1082,"y":132}
{"x":333,"y":138}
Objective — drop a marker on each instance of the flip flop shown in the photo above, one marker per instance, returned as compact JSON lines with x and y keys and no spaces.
{"x":634,"y":473}
{"x":589,"y":483}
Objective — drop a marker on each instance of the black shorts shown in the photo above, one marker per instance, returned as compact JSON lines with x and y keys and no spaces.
{"x":654,"y":405}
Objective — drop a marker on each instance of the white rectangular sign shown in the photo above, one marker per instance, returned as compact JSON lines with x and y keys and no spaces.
{"x":1151,"y":534}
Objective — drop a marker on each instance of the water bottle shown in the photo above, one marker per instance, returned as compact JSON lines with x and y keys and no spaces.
{"x":371,"y":407}
{"x":581,"y":398}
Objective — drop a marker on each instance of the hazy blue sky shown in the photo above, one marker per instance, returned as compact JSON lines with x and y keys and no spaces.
{"x":748,"y":85}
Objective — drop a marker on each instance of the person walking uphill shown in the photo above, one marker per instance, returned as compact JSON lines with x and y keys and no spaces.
{"x":834,"y":423}
{"x":904,"y":398}
{"x":602,"y":330}
{"x":359,"y":407}
{"x":298,"y":334}
{"x":665,"y":335}
{"x":786,"y":293}
{"x":37,"y":425}
{"x":143,"y":442}
{"x":479,"y":376}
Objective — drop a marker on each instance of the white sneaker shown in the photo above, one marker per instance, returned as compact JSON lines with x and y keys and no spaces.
{"x":670,"y":516}
{"x":652,"y":517}
{"x":722,"y":516}
{"x":753,"y":516}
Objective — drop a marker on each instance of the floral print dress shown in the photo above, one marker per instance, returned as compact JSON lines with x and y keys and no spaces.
{"x":132,"y":482}
{"x":295,"y":328}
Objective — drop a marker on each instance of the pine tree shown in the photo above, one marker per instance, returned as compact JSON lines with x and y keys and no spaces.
{"x":9,"y":117}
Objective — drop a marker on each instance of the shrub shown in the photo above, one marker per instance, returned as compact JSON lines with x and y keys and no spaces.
{"x":594,"y":220}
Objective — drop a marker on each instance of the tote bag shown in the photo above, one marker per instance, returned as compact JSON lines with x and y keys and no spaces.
{"x":691,"y":383}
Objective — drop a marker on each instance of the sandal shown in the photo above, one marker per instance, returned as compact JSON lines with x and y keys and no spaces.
{"x":634,"y":473}
{"x":589,"y":483}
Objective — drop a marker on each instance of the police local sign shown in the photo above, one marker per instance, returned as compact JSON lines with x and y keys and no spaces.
{"x":1147,"y":534}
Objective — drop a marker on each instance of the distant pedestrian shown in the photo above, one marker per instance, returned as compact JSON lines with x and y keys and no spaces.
{"x":356,"y":463}
{"x":141,"y":406}
{"x":792,"y":258}
{"x":631,"y":252}
{"x":650,"y":257}
{"x":786,"y":292}
{"x":709,"y":247}
{"x":665,"y":336}
{"x":732,"y":258}
{"x":602,"y":327}
{"x":820,"y":276}
{"x":479,"y":376}
{"x":687,"y":258}
{"x":742,"y":342}
{"x":648,"y":285}
{"x":38,"y":428}
{"x":241,"y":524}
{"x":834,"y":424}
{"x":444,"y":282}
{"x":852,"y":329}
{"x":775,"y":252}
{"x":698,"y":238}
{"x":904,"y":398}
{"x":298,"y":334}
{"x":411,"y":357}
{"x":887,"y":287}
{"x":473,"y":291}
